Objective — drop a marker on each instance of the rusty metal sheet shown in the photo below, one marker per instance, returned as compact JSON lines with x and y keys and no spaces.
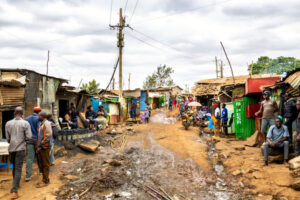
{"x":10,"y":96}
{"x":294,"y":80}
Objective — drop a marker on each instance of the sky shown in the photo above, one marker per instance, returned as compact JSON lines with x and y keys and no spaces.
{"x":183,"y":34}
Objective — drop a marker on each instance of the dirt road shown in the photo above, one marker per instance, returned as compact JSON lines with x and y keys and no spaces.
{"x":159,"y":159}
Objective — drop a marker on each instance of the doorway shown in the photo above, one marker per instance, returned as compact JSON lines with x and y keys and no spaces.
{"x":63,"y":107}
{"x":6,"y":116}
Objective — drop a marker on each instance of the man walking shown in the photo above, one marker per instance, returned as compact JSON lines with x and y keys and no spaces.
{"x":133,"y":110}
{"x":297,"y":147}
{"x":17,"y":132}
{"x":290,"y":113}
{"x":34,"y":124}
{"x":268,"y":108}
{"x":277,"y":138}
{"x":224,"y":118}
{"x":43,"y":148}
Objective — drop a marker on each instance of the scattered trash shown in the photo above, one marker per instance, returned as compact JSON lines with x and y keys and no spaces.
{"x":64,"y":162}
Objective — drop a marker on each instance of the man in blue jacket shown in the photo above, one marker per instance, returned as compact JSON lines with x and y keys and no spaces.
{"x":224,"y":118}
{"x":34,"y":124}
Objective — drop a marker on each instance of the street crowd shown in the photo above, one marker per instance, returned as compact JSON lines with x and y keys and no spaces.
{"x":33,"y":138}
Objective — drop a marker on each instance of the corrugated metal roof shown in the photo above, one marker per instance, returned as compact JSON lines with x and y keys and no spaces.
{"x":11,"y":96}
{"x":294,"y":80}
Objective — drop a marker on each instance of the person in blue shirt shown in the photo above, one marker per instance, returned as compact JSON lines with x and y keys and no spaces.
{"x":34,"y":124}
{"x":224,"y":118}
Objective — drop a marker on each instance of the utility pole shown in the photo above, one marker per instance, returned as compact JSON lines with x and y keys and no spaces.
{"x":129,"y":82}
{"x":217,"y":71}
{"x":120,"y":45}
{"x":295,"y":63}
{"x":113,"y":83}
{"x":267,"y":67}
{"x":251,"y":69}
{"x":228,"y":62}
{"x":222,"y":69}
{"x":47,"y":62}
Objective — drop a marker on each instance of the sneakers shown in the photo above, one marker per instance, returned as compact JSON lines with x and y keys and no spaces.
{"x":41,"y":185}
{"x":14,"y":195}
{"x":27,"y":179}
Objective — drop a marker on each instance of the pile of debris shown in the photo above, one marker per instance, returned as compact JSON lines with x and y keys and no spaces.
{"x":295,"y":167}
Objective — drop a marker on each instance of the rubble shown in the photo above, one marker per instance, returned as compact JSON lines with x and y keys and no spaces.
{"x":90,"y":146}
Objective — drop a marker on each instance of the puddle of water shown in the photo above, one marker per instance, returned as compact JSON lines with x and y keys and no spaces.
{"x":161,"y":118}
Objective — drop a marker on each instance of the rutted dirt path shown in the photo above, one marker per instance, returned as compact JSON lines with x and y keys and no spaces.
{"x":160,"y":155}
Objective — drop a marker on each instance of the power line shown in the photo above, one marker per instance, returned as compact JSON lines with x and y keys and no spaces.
{"x":189,"y":10}
{"x":165,"y":44}
{"x":112,"y":76}
{"x":142,"y":41}
{"x":111,"y":5}
{"x":125,"y":7}
{"x":137,"y":1}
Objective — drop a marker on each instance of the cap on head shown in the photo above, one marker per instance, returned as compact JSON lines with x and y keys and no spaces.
{"x":266,"y":92}
{"x":37,"y":109}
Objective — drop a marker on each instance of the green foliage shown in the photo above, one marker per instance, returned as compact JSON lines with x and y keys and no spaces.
{"x":278,"y":65}
{"x":92,"y":87}
{"x":160,"y":78}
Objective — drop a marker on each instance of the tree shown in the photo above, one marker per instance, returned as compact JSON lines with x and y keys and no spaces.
{"x":92,"y":87}
{"x":278,"y":65}
{"x":160,"y":78}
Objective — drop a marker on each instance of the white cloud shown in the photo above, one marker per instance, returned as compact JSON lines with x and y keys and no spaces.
{"x":182,"y":34}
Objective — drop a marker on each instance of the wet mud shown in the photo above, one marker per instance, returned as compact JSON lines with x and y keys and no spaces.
{"x":154,"y":172}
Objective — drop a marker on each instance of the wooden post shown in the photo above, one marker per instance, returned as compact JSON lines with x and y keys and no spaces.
{"x":222,"y":68}
{"x":47,"y":62}
{"x":228,"y":62}
{"x":129,"y":82}
{"x":217,"y":72}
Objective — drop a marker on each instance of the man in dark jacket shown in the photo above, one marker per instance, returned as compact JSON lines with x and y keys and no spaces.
{"x":290,"y":113}
{"x":34,"y":124}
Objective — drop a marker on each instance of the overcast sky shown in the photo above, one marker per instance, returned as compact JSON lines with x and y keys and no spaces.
{"x":183,"y":34}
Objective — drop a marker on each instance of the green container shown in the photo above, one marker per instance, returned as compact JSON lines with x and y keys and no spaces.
{"x":244,"y":126}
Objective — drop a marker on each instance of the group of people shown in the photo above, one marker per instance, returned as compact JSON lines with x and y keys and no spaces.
{"x":95,"y":120}
{"x":279,"y":135}
{"x":33,"y":137}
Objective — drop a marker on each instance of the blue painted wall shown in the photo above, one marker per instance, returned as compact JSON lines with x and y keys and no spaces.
{"x":143,"y":104}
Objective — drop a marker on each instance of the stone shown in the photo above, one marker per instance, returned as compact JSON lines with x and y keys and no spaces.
{"x":90,"y":146}
{"x":295,"y":163}
{"x":236,"y":172}
{"x":68,"y":145}
{"x":296,"y":173}
{"x":58,"y":150}
{"x":114,"y":163}
{"x":71,"y":177}
{"x":296,"y":184}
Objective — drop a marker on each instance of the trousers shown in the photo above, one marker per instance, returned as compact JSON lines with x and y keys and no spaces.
{"x":30,"y":159}
{"x":17,"y":159}
{"x":44,"y":163}
{"x":284,"y":145}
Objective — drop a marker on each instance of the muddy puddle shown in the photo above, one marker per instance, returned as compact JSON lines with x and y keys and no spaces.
{"x":148,"y":173}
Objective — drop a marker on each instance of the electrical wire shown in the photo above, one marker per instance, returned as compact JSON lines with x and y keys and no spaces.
{"x":112,"y":77}
{"x":111,"y":5}
{"x":125,"y":6}
{"x":142,"y":41}
{"x":165,"y":44}
{"x":137,"y":1}
{"x":185,"y":11}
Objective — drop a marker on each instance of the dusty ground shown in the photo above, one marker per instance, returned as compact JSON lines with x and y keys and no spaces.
{"x":160,"y":155}
{"x":246,"y":163}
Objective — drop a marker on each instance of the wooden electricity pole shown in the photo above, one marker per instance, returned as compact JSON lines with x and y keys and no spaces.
{"x":217,"y":71}
{"x":129,"y":82}
{"x":222,"y":75}
{"x":113,"y":83}
{"x":228,"y":62}
{"x":120,"y":45}
{"x":48,"y":62}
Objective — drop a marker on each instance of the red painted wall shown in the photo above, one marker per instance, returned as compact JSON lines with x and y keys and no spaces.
{"x":254,"y":85}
